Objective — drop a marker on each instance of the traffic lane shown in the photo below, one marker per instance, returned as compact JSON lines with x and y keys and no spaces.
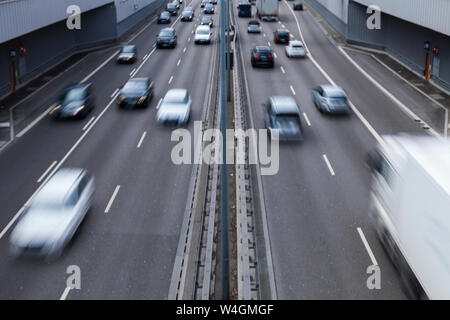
{"x":421,"y":105}
{"x":110,"y":164}
{"x":379,"y":110}
{"x":54,"y":137}
{"x":349,"y":212}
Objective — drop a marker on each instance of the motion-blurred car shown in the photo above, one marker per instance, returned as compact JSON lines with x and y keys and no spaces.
{"x":175,"y":108}
{"x":164,"y":17}
{"x":209,"y":9}
{"x":330,"y":99}
{"x":297,"y":5}
{"x":295,"y":49}
{"x":282,"y":36}
{"x":166,"y":37}
{"x":213,"y":1}
{"x":127,"y":54}
{"x":254,"y":26}
{"x":178,"y":3}
{"x":54,"y":214}
{"x":282,"y":115}
{"x":74,"y":102}
{"x":137,"y":92}
{"x":203,"y":34}
{"x":262,"y":56}
{"x":172,"y":8}
{"x":207,"y":21}
{"x":187,"y":15}
{"x":204,"y":3}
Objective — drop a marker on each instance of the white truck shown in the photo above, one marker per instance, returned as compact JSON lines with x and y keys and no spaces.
{"x":267,"y":10}
{"x":410,"y":207}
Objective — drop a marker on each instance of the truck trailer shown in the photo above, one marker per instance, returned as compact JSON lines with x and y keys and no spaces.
{"x":267,"y":10}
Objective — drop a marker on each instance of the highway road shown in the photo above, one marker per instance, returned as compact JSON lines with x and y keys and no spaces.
{"x":126,"y":252}
{"x":317,"y":204}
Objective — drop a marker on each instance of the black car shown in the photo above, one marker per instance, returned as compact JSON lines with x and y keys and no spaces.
{"x":262,"y":56}
{"x":281,"y":36}
{"x":209,"y":8}
{"x":166,"y":38}
{"x":187,"y":15}
{"x":172,"y":9}
{"x":137,"y":92}
{"x":164,"y":17}
{"x":298,"y":5}
{"x":128,"y":54}
{"x":74,"y":102}
{"x":207,"y":21}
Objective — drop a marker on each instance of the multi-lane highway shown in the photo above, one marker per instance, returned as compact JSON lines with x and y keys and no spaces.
{"x":321,"y":237}
{"x":127,"y":251}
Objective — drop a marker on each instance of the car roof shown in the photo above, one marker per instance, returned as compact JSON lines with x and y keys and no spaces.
{"x":59,"y":184}
{"x":176,"y":93}
{"x":295,"y":42}
{"x":332,"y":91}
{"x":284,"y":105}
{"x":203,"y":28}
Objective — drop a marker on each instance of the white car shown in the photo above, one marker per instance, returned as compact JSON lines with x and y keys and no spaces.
{"x":175,"y":108}
{"x":203,"y":34}
{"x":54,"y":214}
{"x":295,"y":49}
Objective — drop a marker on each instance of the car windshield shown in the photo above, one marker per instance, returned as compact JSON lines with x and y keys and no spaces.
{"x":186,"y":13}
{"x":165,"y":33}
{"x":209,"y":6}
{"x":286,"y":120}
{"x":128,"y":49}
{"x":165,"y":14}
{"x":75,"y":94}
{"x":171,"y":6}
{"x":297,"y":46}
{"x":135,"y":86}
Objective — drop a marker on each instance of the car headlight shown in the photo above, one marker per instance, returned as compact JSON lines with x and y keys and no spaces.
{"x":122,"y":99}
{"x":55,"y":109}
{"x":78,"y":110}
{"x":142,"y":99}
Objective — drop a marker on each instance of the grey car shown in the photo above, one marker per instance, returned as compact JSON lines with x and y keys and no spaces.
{"x":75,"y":101}
{"x":254,"y":26}
{"x":330,"y":99}
{"x":282,"y":118}
{"x":54,"y":215}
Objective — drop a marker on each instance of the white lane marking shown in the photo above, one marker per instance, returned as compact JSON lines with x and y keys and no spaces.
{"x":88,"y":123}
{"x":154,"y":45}
{"x":170,"y":80}
{"x":268,"y":42}
{"x":17,"y":215}
{"x":283,"y":26}
{"x":264,"y":35}
{"x":189,"y":39}
{"x":403,"y":107}
{"x":282,"y":69}
{"x":292,"y":89}
{"x":159,"y":104}
{"x":142,"y":139}
{"x":366,"y":244}
{"x":114,"y":195}
{"x":275,"y":55}
{"x":65,"y":293}
{"x":132,"y":72}
{"x":146,"y":59}
{"x":184,"y":50}
{"x":352,"y":106}
{"x":99,"y":67}
{"x":145,"y":56}
{"x":328,"y":164}
{"x":307,"y":119}
{"x":279,"y":22}
{"x":115,"y":92}
{"x":46,"y":171}
{"x":35,"y":121}
{"x":178,"y":63}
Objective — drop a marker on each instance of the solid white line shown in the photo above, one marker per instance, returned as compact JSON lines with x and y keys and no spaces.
{"x":114,"y":195}
{"x":328,"y":164}
{"x":292,"y":89}
{"x":366,"y":244}
{"x":46,"y":171}
{"x":282,"y":69}
{"x":170,"y":80}
{"x":146,"y":59}
{"x":142,"y":139}
{"x":307,"y":119}
{"x":99,"y":67}
{"x":145,"y":56}
{"x":137,"y":34}
{"x":159,"y":104}
{"x":178,"y":63}
{"x":89,"y":122}
{"x":65,"y":293}
{"x":131,"y":73}
{"x":35,"y":121}
{"x":403,"y":107}
{"x":114,"y":93}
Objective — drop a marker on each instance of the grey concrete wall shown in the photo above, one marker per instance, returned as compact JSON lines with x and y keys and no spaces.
{"x":336,"y":22}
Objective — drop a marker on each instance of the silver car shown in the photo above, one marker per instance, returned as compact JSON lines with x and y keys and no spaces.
{"x":254,"y":26}
{"x":54,"y":214}
{"x":175,"y":108}
{"x":282,"y":115}
{"x":330,"y":99}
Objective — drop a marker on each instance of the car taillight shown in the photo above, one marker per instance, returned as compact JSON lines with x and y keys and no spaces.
{"x":276,"y":36}
{"x":270,"y":57}
{"x":288,"y":36}
{"x":256,"y":56}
